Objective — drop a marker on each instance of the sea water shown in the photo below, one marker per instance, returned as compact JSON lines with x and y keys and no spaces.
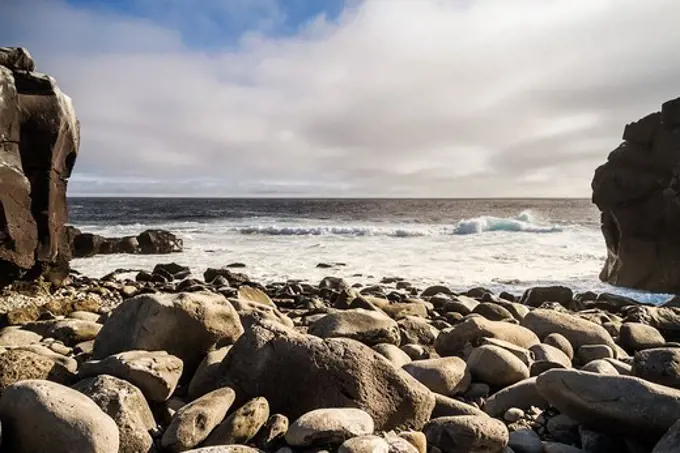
{"x":498,"y":244}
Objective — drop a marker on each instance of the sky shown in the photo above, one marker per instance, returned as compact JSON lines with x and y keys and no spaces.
{"x":392,"y":98}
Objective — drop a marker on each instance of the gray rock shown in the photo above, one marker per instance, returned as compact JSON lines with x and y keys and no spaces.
{"x":396,"y":356}
{"x":192,"y":424}
{"x":659,"y":365}
{"x":206,"y":374}
{"x":447,"y":376}
{"x":614,"y":404}
{"x":523,"y":395}
{"x":589,"y":352}
{"x":367,"y":326}
{"x":600,"y":366}
{"x":622,"y":367}
{"x":242,"y":425}
{"x":155,"y":373}
{"x":467,"y":434}
{"x":563,"y":428}
{"x":560,"y":342}
{"x":453,"y":341}
{"x":329,"y":426}
{"x":496,"y":366}
{"x":125,"y":404}
{"x":415,"y":351}
{"x":557,"y":447}
{"x":670,"y":442}
{"x":635,"y":336}
{"x":547,"y":353}
{"x":535,"y":297}
{"x":272,"y":432}
{"x":597,"y":442}
{"x":39,"y":416}
{"x":186,"y":325}
{"x":525,"y":441}
{"x":343,"y":372}
{"x":449,"y":407}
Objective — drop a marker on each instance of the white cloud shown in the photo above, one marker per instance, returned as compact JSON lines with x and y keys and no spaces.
{"x":396,"y":97}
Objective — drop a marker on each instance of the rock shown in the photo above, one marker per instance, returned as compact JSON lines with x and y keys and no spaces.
{"x":18,"y":365}
{"x":496,"y":366}
{"x":207,"y":373}
{"x":251,"y":312}
{"x":253,"y":294}
{"x":396,"y":356}
{"x":415,"y":351}
{"x":635,"y":190}
{"x":365,"y":444}
{"x":157,"y":242}
{"x":467,"y":434}
{"x":560,"y":342}
{"x":225,"y":449}
{"x":415,"y":438}
{"x":14,"y":336}
{"x":525,"y":355}
{"x":39,"y":416}
{"x":329,"y":426}
{"x":547,"y":353}
{"x":665,"y":320}
{"x":344,"y":373}
{"x":525,"y":441}
{"x":68,"y":331}
{"x":447,"y":376}
{"x":492,"y":311}
{"x":176,"y":271}
{"x":417,"y":330}
{"x":523,"y":395}
{"x":563,"y":428}
{"x":659,"y":365}
{"x":185,"y":325}
{"x":557,"y":447}
{"x":368,"y":327}
{"x":436,"y":289}
{"x":670,"y":441}
{"x":578,"y":331}
{"x":535,"y":297}
{"x":272,"y":432}
{"x":125,"y":404}
{"x":614,"y":404}
{"x":513,"y":414}
{"x":635,"y":336}
{"x":398,"y":444}
{"x":590,"y":352}
{"x":622,"y":367}
{"x":66,"y":362}
{"x":600,"y":366}
{"x":41,"y":136}
{"x":448,"y":407}
{"x":192,"y":424}
{"x":452,"y":341}
{"x":242,"y":425}
{"x":155,"y":373}
{"x":597,"y":442}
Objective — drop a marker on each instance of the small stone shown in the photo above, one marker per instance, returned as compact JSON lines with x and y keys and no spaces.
{"x":272,"y":432}
{"x":513,"y":414}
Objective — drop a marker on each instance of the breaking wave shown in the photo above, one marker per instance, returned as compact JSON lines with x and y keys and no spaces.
{"x":525,"y":222}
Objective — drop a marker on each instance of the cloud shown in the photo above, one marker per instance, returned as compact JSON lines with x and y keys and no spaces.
{"x":459,"y":98}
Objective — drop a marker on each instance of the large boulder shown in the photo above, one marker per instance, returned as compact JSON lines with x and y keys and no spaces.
{"x":186,"y":325}
{"x":282,"y":365}
{"x":39,"y":416}
{"x":39,"y":140}
{"x":578,"y":331}
{"x":637,"y":192}
{"x":623,"y":405}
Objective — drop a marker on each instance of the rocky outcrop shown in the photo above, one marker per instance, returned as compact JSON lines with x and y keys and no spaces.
{"x":637,"y":191}
{"x":39,"y":140}
{"x":149,"y":242}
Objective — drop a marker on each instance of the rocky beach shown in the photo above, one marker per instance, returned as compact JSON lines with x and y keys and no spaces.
{"x":170,"y":360}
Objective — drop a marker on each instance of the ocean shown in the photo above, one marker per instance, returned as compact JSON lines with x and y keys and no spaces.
{"x":500,"y":244}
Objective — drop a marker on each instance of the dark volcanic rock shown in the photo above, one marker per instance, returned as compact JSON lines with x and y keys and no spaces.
{"x":637,"y":191}
{"x":150,"y":242}
{"x":39,"y":139}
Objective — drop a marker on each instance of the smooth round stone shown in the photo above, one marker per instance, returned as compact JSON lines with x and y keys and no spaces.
{"x":242,"y":425}
{"x":525,"y":441}
{"x":560,"y":342}
{"x":513,"y":414}
{"x":366,"y":444}
{"x":396,"y":356}
{"x":329,"y":426}
{"x":590,"y":352}
{"x":447,"y":376}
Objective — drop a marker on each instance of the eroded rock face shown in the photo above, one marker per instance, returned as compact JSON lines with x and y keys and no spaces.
{"x":39,"y":140}
{"x":637,"y":193}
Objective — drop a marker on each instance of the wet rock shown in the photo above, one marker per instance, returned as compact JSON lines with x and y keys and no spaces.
{"x":329,"y":426}
{"x":192,"y":424}
{"x":447,"y":376}
{"x":125,"y":404}
{"x":159,"y":242}
{"x":156,"y":373}
{"x":368,"y":327}
{"x":344,"y":373}
{"x":467,"y":434}
{"x":41,"y":416}
{"x":242,"y":425}
{"x":185,"y":325}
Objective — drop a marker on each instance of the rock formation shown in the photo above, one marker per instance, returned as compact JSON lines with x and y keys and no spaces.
{"x":638,"y":191}
{"x":149,"y":242}
{"x":39,"y":139}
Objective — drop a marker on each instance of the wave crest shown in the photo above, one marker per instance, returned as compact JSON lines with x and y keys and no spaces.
{"x":524,"y":222}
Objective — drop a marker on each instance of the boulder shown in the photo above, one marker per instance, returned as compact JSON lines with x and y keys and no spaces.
{"x":559,"y":341}
{"x":39,"y":416}
{"x":159,"y":242}
{"x":251,"y":312}
{"x":15,"y":336}
{"x":467,"y":434}
{"x":207,"y":373}
{"x":665,"y":319}
{"x":242,"y":425}
{"x":547,"y":353}
{"x":623,"y":405}
{"x":281,"y":365}
{"x":537,"y":296}
{"x":155,"y":373}
{"x":271,"y":434}
{"x":448,"y":407}
{"x":670,"y":441}
{"x":18,"y":365}
{"x":366,"y":326}
{"x":578,"y":331}
{"x":192,"y":424}
{"x":40,"y":139}
{"x":590,"y":352}
{"x":417,"y":330}
{"x":635,"y":336}
{"x":329,"y":426}
{"x":525,"y":441}
{"x":523,"y":394}
{"x":659,"y":365}
{"x":66,"y":362}
{"x":636,"y":191}
{"x":496,"y":366}
{"x":453,"y":341}
{"x":125,"y":404}
{"x":447,"y":376}
{"x":186,"y":325}
{"x":68,"y":331}
{"x":396,"y":356}
{"x":492,"y":311}
{"x":600,"y":366}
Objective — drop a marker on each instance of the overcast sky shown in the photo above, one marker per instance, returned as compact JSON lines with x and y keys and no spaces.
{"x":457,"y":98}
